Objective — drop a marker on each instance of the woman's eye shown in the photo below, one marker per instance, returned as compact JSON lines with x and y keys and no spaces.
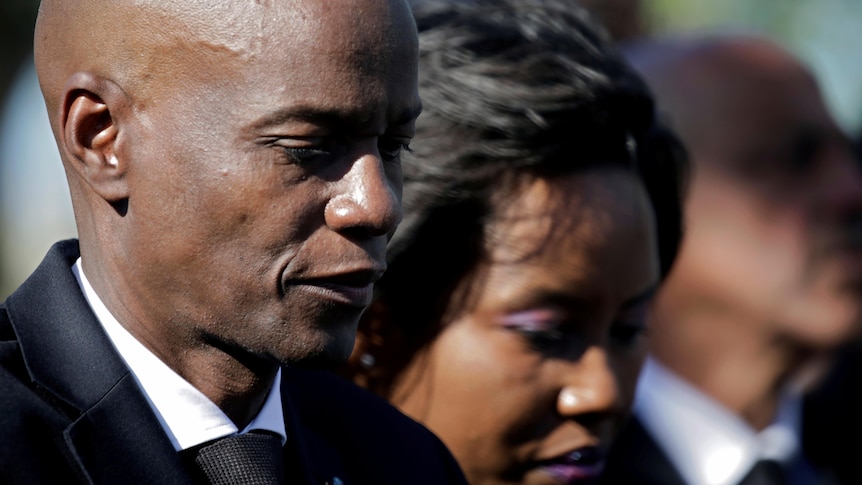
{"x":390,"y":148}
{"x":540,"y":329}
{"x":631,"y":324}
{"x":543,"y":340}
{"x":628,"y":334}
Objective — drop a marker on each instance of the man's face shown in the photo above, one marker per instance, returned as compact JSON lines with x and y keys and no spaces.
{"x":773,"y":216}
{"x":265,"y":175}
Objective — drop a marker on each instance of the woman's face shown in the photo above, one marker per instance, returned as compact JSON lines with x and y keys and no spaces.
{"x":529,"y":383}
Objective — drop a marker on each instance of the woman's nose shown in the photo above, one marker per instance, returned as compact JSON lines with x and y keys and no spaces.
{"x":593,"y":386}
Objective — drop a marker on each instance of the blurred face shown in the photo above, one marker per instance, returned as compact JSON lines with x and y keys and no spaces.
{"x":528,"y":384}
{"x":265,"y":176}
{"x":773,"y":218}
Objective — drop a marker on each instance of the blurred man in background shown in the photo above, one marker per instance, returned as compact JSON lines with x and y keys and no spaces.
{"x":769,"y":280}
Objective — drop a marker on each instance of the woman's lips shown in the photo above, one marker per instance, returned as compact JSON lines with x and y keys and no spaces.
{"x":579,"y":466}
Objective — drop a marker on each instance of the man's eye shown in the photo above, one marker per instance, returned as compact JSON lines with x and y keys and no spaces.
{"x":390,"y":148}
{"x":308,"y":151}
{"x":304,"y":155}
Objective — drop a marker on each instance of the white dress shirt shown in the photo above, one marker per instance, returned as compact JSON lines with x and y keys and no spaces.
{"x":188,"y":417}
{"x":708,"y":444}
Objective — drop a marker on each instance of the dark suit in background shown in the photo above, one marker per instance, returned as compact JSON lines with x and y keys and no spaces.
{"x":832,"y":422}
{"x":637,"y":459}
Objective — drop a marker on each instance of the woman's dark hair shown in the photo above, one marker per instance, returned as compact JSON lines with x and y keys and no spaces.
{"x":511,"y":89}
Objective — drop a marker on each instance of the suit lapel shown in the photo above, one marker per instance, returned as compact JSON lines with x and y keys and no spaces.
{"x":65,"y":349}
{"x":114,"y":437}
{"x":119,"y":440}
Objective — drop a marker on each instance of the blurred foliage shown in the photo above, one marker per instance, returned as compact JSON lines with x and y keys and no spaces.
{"x":17,"y":18}
{"x":825,"y":33}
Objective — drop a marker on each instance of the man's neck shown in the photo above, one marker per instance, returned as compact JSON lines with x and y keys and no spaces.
{"x":238,"y":386}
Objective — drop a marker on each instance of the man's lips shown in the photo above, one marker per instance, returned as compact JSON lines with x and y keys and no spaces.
{"x":349,"y":287}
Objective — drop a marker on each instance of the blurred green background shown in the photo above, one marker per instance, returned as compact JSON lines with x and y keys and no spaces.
{"x":825,"y":33}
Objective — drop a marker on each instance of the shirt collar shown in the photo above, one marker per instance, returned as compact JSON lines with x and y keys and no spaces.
{"x":188,"y":417}
{"x":707,"y":443}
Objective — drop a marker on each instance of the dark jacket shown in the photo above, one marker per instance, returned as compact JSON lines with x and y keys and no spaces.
{"x":71,"y":412}
{"x":637,"y":459}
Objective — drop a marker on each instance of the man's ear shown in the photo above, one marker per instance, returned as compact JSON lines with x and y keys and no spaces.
{"x":90,"y":133}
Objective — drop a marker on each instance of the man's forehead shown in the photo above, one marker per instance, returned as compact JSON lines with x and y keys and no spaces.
{"x":228,"y":25}
{"x":241,"y":26}
{"x":333,"y":76}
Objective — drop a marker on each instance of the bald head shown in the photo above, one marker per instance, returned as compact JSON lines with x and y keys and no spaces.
{"x":710,"y":86}
{"x":140,"y":52}
{"x":144,"y":46}
{"x":126,"y":42}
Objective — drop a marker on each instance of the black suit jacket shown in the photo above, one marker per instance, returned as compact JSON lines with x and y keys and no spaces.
{"x":833,"y":418}
{"x":71,"y":412}
{"x":637,"y":459}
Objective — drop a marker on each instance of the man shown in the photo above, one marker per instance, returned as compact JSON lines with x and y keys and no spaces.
{"x":235,"y":175}
{"x":768,"y":282}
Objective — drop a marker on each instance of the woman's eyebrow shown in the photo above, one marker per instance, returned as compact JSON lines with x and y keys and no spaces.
{"x":642,"y":297}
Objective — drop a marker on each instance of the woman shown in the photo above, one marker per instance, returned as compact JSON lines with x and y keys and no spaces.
{"x":541,"y":211}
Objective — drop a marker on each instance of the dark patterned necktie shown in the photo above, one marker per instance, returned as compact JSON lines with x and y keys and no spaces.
{"x":765,"y":472}
{"x":247,"y":459}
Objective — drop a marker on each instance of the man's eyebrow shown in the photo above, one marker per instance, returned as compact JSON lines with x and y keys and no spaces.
{"x":330,"y":116}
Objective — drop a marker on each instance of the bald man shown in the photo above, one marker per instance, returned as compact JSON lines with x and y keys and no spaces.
{"x":235,"y":176}
{"x":768,"y":283}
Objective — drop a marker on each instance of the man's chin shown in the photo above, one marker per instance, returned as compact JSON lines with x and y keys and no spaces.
{"x":330,"y":353}
{"x":825,"y":326}
{"x":322,"y":361}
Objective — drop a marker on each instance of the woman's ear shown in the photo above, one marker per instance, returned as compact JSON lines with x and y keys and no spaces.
{"x":370,"y":363}
{"x":368,"y":337}
{"x":90,"y":131}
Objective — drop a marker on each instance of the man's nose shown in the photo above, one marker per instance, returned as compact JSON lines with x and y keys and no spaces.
{"x":368,"y":197}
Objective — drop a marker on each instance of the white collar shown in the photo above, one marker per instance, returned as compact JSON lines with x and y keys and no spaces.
{"x":708,"y":444}
{"x":188,"y":417}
